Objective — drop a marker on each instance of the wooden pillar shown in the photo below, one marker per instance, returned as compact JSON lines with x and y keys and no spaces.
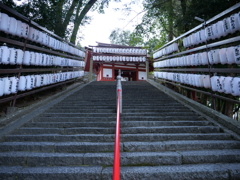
{"x":90,"y":70}
{"x":137,"y":72}
{"x":147,"y":68}
{"x":113,"y":72}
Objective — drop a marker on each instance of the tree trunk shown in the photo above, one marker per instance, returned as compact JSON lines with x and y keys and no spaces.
{"x":228,"y":110}
{"x":61,"y":28}
{"x":79,"y":19}
{"x":184,"y":9}
{"x":170,"y":20}
{"x":58,"y":18}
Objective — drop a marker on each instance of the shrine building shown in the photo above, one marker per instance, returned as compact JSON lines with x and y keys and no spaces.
{"x":106,"y":59}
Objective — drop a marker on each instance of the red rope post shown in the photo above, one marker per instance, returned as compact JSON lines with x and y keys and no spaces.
{"x":116,"y":162}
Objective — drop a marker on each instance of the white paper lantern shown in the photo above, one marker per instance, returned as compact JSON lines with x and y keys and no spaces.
{"x":4,"y":23}
{"x":19,"y":31}
{"x":37,"y":35}
{"x":214,"y":31}
{"x":209,"y":32}
{"x":220,"y":29}
{"x":32,"y":58}
{"x":214,"y":82}
{"x":196,"y":80}
{"x":37,"y":59}
{"x":20,"y":54}
{"x":14,"y":86}
{"x":206,"y":81}
{"x":7,"y":86}
{"x":40,"y":39}
{"x":234,"y":24}
{"x":226,"y":26}
{"x":13,"y":26}
{"x":203,"y":36}
{"x":37,"y":81}
{"x":235,"y":84}
{"x":230,"y":55}
{"x":223,"y":56}
{"x":237,"y":54}
{"x":227,"y":85}
{"x":1,"y":87}
{"x":22,"y":83}
{"x":33,"y":79}
{"x":204,"y":58}
{"x":220,"y":84}
{"x":12,"y":56}
{"x":5,"y":53}
{"x":27,"y":58}
{"x":210,"y":57}
{"x":25,"y":31}
{"x":28,"y":82}
{"x":32,"y":34}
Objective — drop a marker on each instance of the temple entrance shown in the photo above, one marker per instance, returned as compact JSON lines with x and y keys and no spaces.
{"x":127,"y":75}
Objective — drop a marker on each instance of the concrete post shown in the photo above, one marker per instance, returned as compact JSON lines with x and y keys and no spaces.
{"x":119,"y":87}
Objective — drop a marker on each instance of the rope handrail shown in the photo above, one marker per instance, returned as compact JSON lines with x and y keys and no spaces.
{"x":116,"y":162}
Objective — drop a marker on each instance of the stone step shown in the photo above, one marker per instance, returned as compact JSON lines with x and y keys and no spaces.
{"x":160,"y":113}
{"x":74,"y":147}
{"x":73,"y":119}
{"x":162,"y":118}
{"x":157,"y":110}
{"x":80,"y":147}
{"x":127,"y":158}
{"x":113,"y":123}
{"x":81,"y":106}
{"x":79,"y":110}
{"x":49,"y":173}
{"x":113,"y":110}
{"x":180,"y":145}
{"x":183,"y":172}
{"x":123,"y":115}
{"x":42,"y":118}
{"x":124,"y":130}
{"x":106,"y":106}
{"x":78,"y":115}
{"x":147,"y":137}
{"x":70,"y":147}
{"x":78,"y":159}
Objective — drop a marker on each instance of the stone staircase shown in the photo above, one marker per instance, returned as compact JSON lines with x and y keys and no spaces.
{"x":160,"y":139}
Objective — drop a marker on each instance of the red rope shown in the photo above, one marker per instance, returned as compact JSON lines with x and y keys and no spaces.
{"x":116,"y":163}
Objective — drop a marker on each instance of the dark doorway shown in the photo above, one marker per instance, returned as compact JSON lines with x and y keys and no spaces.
{"x":128,"y":75}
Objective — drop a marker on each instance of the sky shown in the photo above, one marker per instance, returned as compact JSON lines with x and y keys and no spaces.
{"x":102,"y":25}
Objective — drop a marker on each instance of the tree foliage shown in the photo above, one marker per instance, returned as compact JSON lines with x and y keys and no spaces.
{"x":166,"y":19}
{"x":63,"y":17}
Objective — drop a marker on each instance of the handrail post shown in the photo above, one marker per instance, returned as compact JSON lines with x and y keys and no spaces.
{"x":119,"y":87}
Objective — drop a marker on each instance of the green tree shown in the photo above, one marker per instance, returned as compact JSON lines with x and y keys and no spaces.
{"x":57,"y":15}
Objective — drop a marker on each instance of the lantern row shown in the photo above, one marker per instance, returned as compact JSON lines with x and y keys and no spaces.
{"x":222,"y":84}
{"x":14,"y":56}
{"x":217,"y":30}
{"x":167,"y":50}
{"x":10,"y":25}
{"x":230,"y":55}
{"x":120,"y":50}
{"x":119,"y":58}
{"x":10,"y":85}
